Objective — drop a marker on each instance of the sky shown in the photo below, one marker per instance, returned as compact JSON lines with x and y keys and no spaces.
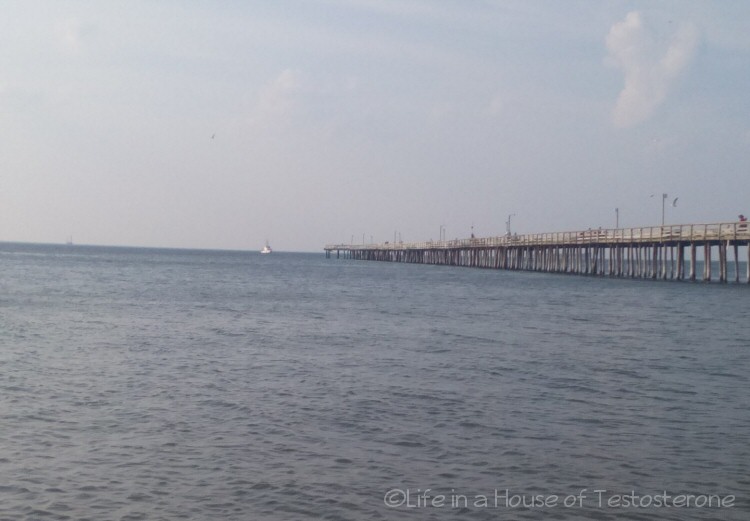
{"x":223,"y":124}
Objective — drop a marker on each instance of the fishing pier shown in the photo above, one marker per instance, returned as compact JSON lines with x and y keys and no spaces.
{"x":668,"y":252}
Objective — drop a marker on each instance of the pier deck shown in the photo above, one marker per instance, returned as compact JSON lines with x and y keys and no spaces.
{"x":655,"y":252}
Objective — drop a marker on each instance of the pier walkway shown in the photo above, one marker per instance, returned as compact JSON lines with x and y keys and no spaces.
{"x":655,"y":252}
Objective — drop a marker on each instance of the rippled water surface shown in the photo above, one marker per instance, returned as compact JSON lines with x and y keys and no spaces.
{"x":164,"y":385}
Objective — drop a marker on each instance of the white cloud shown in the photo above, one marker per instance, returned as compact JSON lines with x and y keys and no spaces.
{"x":71,"y":34}
{"x":279,"y":98}
{"x":497,"y":104}
{"x":649,"y":69}
{"x":307,"y":102}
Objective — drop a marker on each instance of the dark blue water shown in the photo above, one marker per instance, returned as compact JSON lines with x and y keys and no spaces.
{"x":157,"y":384}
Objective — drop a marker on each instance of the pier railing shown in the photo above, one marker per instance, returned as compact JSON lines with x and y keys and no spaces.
{"x":715,"y":232}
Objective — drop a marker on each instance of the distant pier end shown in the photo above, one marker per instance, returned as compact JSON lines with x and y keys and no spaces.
{"x":656,"y":252}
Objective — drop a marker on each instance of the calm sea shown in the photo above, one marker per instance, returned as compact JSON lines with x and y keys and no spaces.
{"x":165,"y":385}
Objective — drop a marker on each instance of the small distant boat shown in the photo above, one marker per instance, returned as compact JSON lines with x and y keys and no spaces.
{"x":69,"y":242}
{"x":266,"y":248}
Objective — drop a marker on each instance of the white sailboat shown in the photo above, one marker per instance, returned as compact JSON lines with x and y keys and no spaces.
{"x":266,"y":248}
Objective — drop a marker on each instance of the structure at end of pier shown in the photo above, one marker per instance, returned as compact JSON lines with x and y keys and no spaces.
{"x":655,"y":252}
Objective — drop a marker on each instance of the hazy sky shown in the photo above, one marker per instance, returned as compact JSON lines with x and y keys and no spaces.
{"x":220,"y":124}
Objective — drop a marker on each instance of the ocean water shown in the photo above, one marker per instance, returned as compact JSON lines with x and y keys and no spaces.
{"x":166,"y":385}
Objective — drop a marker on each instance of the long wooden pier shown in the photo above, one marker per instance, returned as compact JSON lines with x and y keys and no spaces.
{"x":655,"y":252}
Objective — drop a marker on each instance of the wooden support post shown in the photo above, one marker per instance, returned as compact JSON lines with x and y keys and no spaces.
{"x":594,"y":260}
{"x":586,"y":256}
{"x":736,"y":262}
{"x":671,"y":262}
{"x":707,"y":263}
{"x":693,"y":253}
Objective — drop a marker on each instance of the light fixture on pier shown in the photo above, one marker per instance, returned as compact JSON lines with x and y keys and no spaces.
{"x":507,"y":225}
